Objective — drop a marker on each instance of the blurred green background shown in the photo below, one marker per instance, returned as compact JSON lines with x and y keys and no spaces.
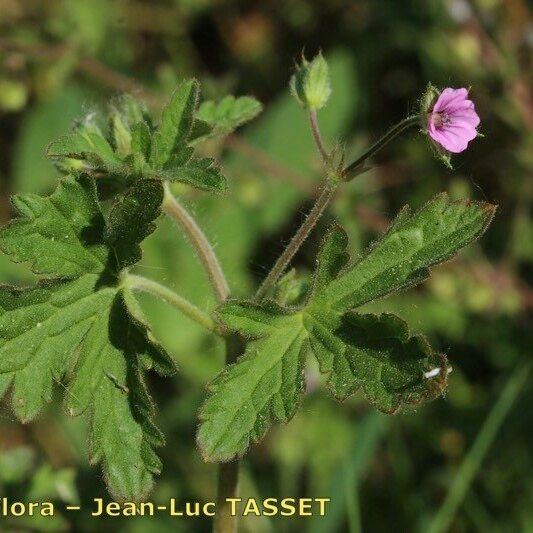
{"x":463,"y":463}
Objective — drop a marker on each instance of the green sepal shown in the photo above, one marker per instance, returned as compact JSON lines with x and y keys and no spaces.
{"x":311,"y":84}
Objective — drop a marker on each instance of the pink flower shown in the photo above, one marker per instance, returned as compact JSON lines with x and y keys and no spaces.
{"x":453,"y":121}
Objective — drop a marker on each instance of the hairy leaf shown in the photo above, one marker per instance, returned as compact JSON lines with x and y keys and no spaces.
{"x":373,"y":353}
{"x":200,"y":173}
{"x":377,"y":354}
{"x":176,"y":123}
{"x":414,"y":242}
{"x":80,"y":325}
{"x":227,"y":115}
{"x":89,"y":146}
{"x":131,"y":220}
{"x":60,"y":234}
{"x":264,"y":386}
{"x":141,"y":141}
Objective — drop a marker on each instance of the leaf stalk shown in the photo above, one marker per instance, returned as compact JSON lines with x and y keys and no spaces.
{"x":174,"y":299}
{"x":196,"y":236}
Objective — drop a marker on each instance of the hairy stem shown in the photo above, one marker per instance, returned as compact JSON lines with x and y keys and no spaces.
{"x":412,"y":120}
{"x":326,"y":194}
{"x":228,"y":473}
{"x":315,"y":130}
{"x":143,"y":284}
{"x":325,"y":197}
{"x":205,"y":251}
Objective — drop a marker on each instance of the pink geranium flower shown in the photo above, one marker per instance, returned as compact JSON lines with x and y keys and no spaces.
{"x":453,"y":121}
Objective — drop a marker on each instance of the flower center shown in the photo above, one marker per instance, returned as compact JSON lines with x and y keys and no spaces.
{"x":440,"y":119}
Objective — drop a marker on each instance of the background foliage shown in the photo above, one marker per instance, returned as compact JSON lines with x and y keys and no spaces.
{"x":471,"y":451}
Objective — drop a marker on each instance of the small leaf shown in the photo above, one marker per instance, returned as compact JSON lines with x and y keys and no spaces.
{"x":201,"y":131}
{"x":176,"y":123}
{"x":121,"y":134}
{"x":131,"y":218}
{"x":332,"y":257}
{"x":200,"y":173}
{"x":263,"y":386}
{"x":141,"y":141}
{"x":89,"y":146}
{"x":227,"y":115}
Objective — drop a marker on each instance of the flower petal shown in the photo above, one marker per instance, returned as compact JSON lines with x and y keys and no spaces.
{"x":462,"y":128}
{"x":466,"y":115}
{"x":449,"y":99}
{"x":451,"y":141}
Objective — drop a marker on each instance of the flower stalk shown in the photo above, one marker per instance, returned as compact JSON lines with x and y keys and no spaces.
{"x":326,"y":195}
{"x":322,"y":202}
{"x":315,"y":130}
{"x":359,"y":163}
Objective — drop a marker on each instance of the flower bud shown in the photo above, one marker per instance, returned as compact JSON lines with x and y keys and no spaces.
{"x":310,"y":84}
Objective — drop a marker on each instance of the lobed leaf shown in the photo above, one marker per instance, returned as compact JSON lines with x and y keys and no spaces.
{"x":373,"y":353}
{"x":221,"y":118}
{"x":414,"y":242}
{"x":200,"y":173}
{"x":89,"y":146}
{"x":81,"y":325}
{"x":58,"y":235}
{"x":263,"y":386}
{"x":377,"y":354}
{"x":131,"y":220}
{"x":176,"y":123}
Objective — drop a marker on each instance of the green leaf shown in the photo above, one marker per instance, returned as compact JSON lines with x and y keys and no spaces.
{"x":265,"y":385}
{"x":225,"y":116}
{"x":88,"y":146}
{"x":121,"y":135}
{"x":373,"y":353}
{"x":58,"y":234}
{"x":377,"y":354}
{"x":131,"y":218}
{"x":141,"y":141}
{"x":200,"y":173}
{"x":414,"y":242}
{"x":79,"y":325}
{"x":176,"y":123}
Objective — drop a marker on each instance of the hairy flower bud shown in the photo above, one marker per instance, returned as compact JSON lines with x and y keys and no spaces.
{"x":310,"y":84}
